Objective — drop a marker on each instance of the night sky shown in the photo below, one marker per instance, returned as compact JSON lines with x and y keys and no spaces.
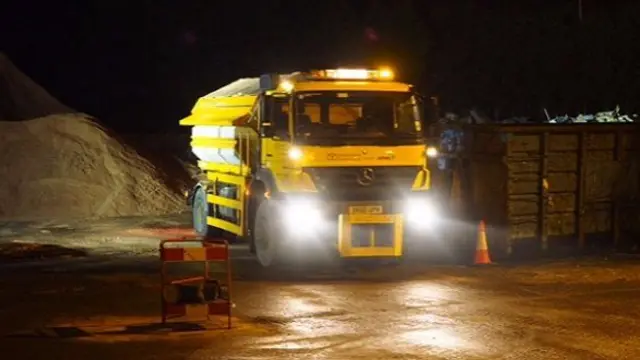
{"x":140,"y":65}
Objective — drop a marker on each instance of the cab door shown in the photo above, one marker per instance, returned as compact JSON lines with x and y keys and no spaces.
{"x":276,"y":140}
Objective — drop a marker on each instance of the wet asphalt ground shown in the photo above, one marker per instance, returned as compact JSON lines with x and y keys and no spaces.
{"x":573,"y":309}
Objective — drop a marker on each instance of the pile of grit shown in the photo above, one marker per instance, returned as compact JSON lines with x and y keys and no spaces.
{"x":21,"y":98}
{"x":59,"y":164}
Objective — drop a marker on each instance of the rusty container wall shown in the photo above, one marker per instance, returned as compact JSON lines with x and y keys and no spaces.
{"x":552,"y":187}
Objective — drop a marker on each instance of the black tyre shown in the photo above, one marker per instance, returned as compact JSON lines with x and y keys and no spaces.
{"x":267,"y":236}
{"x":201,"y":210}
{"x":257,"y":197}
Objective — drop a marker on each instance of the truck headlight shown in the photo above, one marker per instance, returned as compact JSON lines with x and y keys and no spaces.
{"x":431,"y":152}
{"x":420,"y":213}
{"x":302,"y":216}
{"x":295,"y":154}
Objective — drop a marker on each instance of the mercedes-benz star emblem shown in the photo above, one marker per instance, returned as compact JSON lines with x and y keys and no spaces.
{"x":366,"y":177}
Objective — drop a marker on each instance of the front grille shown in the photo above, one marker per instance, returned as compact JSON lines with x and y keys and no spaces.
{"x":367,"y":235}
{"x":363,"y":183}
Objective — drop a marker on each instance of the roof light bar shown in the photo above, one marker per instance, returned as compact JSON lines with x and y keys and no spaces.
{"x":359,"y":74}
{"x":353,"y":74}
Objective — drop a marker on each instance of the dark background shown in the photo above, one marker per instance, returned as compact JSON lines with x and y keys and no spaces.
{"x":140,"y":65}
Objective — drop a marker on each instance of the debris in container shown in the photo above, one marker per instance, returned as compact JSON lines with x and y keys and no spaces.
{"x":612,"y":116}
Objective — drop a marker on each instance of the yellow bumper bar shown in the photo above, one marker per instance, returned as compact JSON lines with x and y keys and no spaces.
{"x":370,"y":224}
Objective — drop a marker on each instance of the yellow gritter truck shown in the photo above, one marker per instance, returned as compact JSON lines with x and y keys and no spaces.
{"x":311,"y":164}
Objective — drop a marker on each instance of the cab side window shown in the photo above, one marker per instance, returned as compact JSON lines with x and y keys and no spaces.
{"x":275,"y":120}
{"x":254,"y":117}
{"x":281,"y":116}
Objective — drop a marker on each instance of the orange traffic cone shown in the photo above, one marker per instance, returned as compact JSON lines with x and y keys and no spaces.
{"x":482,"y":250}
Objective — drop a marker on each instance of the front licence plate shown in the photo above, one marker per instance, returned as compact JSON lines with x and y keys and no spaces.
{"x":368,"y":209}
{"x":371,"y":219}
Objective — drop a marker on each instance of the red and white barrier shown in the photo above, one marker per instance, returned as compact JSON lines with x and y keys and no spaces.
{"x":197,"y":296}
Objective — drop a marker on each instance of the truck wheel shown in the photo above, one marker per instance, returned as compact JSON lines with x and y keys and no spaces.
{"x":267,"y":237}
{"x":200,"y":210}
{"x":257,"y":197}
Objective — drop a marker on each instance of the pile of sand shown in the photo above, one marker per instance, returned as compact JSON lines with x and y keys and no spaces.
{"x":59,"y":164}
{"x":21,"y":98}
{"x":67,"y":166}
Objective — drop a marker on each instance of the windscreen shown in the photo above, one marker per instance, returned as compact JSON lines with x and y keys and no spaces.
{"x":357,"y":118}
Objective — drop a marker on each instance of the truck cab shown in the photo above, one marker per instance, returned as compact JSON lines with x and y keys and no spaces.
{"x":321,"y":162}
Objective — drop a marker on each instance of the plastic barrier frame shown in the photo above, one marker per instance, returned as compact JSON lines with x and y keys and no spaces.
{"x":210,"y":251}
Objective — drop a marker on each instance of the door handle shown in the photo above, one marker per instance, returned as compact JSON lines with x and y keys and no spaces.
{"x":268,"y":155}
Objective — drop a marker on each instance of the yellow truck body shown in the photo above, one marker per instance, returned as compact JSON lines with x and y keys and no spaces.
{"x":340,"y":148}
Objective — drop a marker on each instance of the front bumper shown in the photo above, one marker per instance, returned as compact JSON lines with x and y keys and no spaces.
{"x":358,"y":229}
{"x":370,"y":235}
